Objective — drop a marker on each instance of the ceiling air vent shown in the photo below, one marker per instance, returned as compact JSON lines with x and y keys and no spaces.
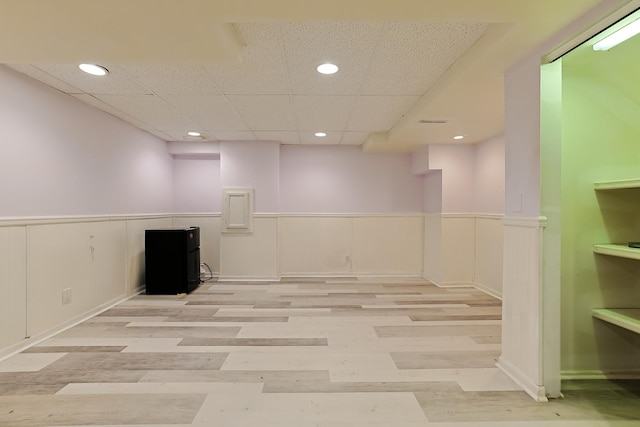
{"x":437,"y":122}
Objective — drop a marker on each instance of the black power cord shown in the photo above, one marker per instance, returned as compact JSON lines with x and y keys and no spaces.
{"x":208,"y":275}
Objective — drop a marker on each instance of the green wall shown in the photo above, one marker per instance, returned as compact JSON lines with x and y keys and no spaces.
{"x":600,"y":141}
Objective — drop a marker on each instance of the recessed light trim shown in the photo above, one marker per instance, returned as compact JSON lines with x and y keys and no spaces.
{"x":194,"y":133}
{"x":320,"y":134}
{"x":458,"y":137}
{"x":327,"y":68}
{"x":93,"y":69}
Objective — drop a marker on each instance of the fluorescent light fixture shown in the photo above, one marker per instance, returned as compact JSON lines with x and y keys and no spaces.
{"x":458,"y":137}
{"x":619,"y":36}
{"x":193,"y":133}
{"x":327,"y":68}
{"x":93,"y":69}
{"x":320,"y":134}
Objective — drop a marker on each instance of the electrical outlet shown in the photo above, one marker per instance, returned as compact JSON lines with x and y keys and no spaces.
{"x":66,"y":296}
{"x":347,"y":259}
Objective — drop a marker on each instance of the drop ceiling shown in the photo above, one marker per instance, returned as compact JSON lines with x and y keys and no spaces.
{"x":245,"y":70}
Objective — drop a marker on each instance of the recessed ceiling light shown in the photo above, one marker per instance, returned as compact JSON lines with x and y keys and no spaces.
{"x":458,"y":137}
{"x":320,"y":134}
{"x":193,"y":133}
{"x":327,"y":68}
{"x":93,"y":69}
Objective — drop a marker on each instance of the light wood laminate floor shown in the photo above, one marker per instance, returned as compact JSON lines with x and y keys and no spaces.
{"x":343,"y":352}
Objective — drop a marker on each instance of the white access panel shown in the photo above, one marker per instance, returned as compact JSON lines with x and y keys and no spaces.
{"x":237,"y":210}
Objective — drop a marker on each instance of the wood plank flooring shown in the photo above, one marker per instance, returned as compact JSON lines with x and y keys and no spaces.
{"x":300,"y":352}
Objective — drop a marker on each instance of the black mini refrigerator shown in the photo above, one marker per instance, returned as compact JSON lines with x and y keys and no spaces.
{"x":172,"y":260}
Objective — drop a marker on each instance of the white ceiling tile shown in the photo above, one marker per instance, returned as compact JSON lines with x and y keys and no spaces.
{"x":181,"y":135}
{"x":323,"y":113}
{"x":410,"y":58}
{"x":265,"y":112}
{"x":354,"y":138}
{"x":348,"y":45}
{"x":117,"y":82}
{"x":173,"y":79}
{"x":262,"y":69}
{"x":283,"y":137}
{"x":98,"y":103}
{"x":162,"y":135}
{"x":332,"y":138}
{"x":211,"y":112}
{"x":45,"y":78}
{"x":234,"y":135}
{"x":379,"y":113}
{"x":149,"y":109}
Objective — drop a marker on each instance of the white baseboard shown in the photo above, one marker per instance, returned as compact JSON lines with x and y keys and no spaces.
{"x":534,"y":390}
{"x":487,"y":290}
{"x":600,"y":375}
{"x":38,"y":338}
{"x":289,"y":275}
{"x":248,"y":278}
{"x":479,"y":286}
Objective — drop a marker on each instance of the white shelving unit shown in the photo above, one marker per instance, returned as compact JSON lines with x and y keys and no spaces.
{"x":617,"y":185}
{"x":622,"y":251}
{"x":627,"y":318}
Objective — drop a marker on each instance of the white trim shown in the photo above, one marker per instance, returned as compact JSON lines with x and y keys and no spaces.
{"x":487,"y":290}
{"x":247,"y":279}
{"x":38,"y":338}
{"x":404,"y":275}
{"x":457,"y":285}
{"x":349,"y":215}
{"x":525,"y":222}
{"x":458,"y":215}
{"x":495,"y":217}
{"x":600,"y":375}
{"x":44,"y":220}
{"x":197,"y":215}
{"x":483,"y":288}
{"x":318,"y":275}
{"x":266,"y":215}
{"x":534,"y":390}
{"x":471,"y":215}
{"x":590,"y":32}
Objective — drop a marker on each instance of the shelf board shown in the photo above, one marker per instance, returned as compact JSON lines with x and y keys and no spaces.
{"x":621,"y":251}
{"x":617,"y":185}
{"x":627,"y":318}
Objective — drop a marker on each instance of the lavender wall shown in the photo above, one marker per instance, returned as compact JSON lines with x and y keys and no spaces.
{"x":321,"y":179}
{"x":60,"y":157}
{"x":196,"y":185}
{"x":522,"y":133}
{"x":433,"y":192}
{"x":457,"y":162}
{"x":489,"y":176}
{"x":254,"y":164}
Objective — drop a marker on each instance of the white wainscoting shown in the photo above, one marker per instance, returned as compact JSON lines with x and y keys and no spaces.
{"x":458,"y":249}
{"x":99,"y":259}
{"x":355,"y":244}
{"x":464,"y":250}
{"x":315,"y":246}
{"x":489,"y":240}
{"x":522,"y":332}
{"x":13,"y":285}
{"x":433,"y":248}
{"x":387,"y":245}
{"x":251,"y":256}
